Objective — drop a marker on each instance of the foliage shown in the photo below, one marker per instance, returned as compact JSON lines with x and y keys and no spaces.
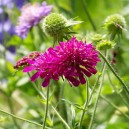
{"x":23,"y":98}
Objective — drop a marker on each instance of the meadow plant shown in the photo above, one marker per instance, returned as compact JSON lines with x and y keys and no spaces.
{"x":69,"y":61}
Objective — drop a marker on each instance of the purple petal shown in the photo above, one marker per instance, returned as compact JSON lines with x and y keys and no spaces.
{"x":46,"y":81}
{"x":55,"y":77}
{"x":74,"y":81}
{"x":92,"y":70}
{"x":87,"y":73}
{"x":28,"y":68}
{"x":81,"y":77}
{"x":35,"y":76}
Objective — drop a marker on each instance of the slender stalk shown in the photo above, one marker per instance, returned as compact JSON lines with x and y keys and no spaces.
{"x":67,"y":126}
{"x":62,"y":105}
{"x":85,"y":105}
{"x":22,"y":119}
{"x":113,"y":71}
{"x":90,"y":97}
{"x":11,"y":110}
{"x":98,"y":95}
{"x":35,"y":45}
{"x":113,"y":105}
{"x":115,"y":89}
{"x":54,"y":41}
{"x":35,"y":87}
{"x":46,"y":110}
{"x":88,"y":14}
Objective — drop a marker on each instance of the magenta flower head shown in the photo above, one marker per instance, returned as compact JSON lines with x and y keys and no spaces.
{"x":24,"y":61}
{"x":30,"y":16}
{"x":76,"y":59}
{"x":72,"y":60}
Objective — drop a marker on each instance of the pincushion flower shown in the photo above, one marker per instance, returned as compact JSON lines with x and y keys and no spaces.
{"x":72,"y":60}
{"x":115,"y":24}
{"x":58,"y":26}
{"x":24,"y":61}
{"x":31,"y":16}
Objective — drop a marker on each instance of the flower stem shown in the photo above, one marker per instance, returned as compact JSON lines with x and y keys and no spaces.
{"x":63,"y":121}
{"x":46,"y":110}
{"x":67,"y":126}
{"x":11,"y":110}
{"x":85,"y":105}
{"x":36,"y":88}
{"x":95,"y":85}
{"x":88,"y":14}
{"x":98,"y":94}
{"x":90,"y":97}
{"x":115,"y":89}
{"x":113,"y":71}
{"x":22,"y":119}
{"x":113,"y":105}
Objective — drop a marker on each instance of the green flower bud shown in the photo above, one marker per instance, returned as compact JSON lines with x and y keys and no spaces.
{"x":54,"y":24}
{"x":105,"y":44}
{"x":97,"y":38}
{"x":57,"y":26}
{"x":115,"y":24}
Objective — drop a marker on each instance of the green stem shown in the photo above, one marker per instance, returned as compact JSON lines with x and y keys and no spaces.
{"x":35,"y":87}
{"x":85,"y":105}
{"x":22,"y":119}
{"x":62,"y":105}
{"x":67,"y":126}
{"x":117,"y":76}
{"x":113,"y":105}
{"x":54,"y":41}
{"x":46,"y":110}
{"x":11,"y":110}
{"x":88,"y":14}
{"x":115,"y":89}
{"x":93,"y":89}
{"x":95,"y":84}
{"x":98,"y":95}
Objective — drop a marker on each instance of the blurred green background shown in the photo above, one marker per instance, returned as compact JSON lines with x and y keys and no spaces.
{"x":18,"y":96}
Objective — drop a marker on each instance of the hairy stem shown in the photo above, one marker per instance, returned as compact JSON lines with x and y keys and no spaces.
{"x":36,"y":88}
{"x":113,"y":105}
{"x":85,"y":105}
{"x":98,"y":95}
{"x":11,"y":110}
{"x":22,"y":119}
{"x":63,"y":121}
{"x":93,"y":89}
{"x":113,"y":71}
{"x":115,"y":89}
{"x":41,"y":94}
{"x":88,"y":14}
{"x":46,"y":110}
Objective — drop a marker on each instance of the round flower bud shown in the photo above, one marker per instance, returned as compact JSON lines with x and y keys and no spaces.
{"x":97,"y":38}
{"x":54,"y":24}
{"x":105,"y":44}
{"x":115,"y":23}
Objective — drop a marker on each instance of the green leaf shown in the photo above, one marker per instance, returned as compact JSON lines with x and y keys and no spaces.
{"x":22,"y":81}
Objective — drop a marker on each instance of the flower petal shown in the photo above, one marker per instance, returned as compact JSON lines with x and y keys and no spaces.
{"x":35,"y":76}
{"x":46,"y":81}
{"x":28,"y":68}
{"x":74,"y":81}
{"x":87,"y":73}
